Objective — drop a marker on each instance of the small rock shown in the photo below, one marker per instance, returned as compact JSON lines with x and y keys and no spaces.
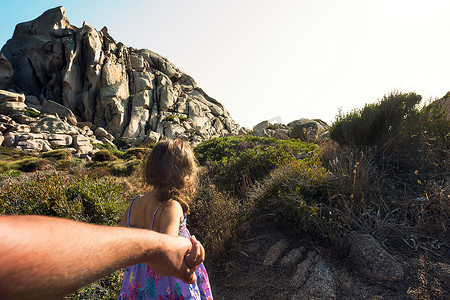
{"x":22,"y":128}
{"x":9,"y":107}
{"x":100,"y":132}
{"x":11,"y":138}
{"x":85,"y":124}
{"x":293,"y":257}
{"x":275,"y":252}
{"x":154,"y":137}
{"x":82,"y":144}
{"x":106,"y":141}
{"x":314,"y":279}
{"x":372,"y":260}
{"x":59,"y":139}
{"x":264,"y":133}
{"x":261,"y":125}
{"x":32,"y":145}
{"x":33,"y":101}
{"x":279,"y":135}
{"x":6,"y":96}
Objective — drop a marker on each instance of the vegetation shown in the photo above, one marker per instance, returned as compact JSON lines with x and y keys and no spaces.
{"x":384,"y":170}
{"x":237,"y":162}
{"x":78,"y":198}
{"x":73,"y":197}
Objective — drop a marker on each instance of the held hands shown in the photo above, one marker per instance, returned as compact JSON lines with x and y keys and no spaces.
{"x":197,"y":254}
{"x":178,"y":257}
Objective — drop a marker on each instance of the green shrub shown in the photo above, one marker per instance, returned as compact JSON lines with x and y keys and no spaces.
{"x":77,"y":198}
{"x":104,"y":155}
{"x":124,"y":168}
{"x":27,"y":164}
{"x":105,"y":288}
{"x":424,"y":140}
{"x":297,"y":194}
{"x":32,"y":113}
{"x":137,"y":153}
{"x":375,"y":124}
{"x":70,"y":165}
{"x":110,"y":148}
{"x":403,"y":137}
{"x":9,"y":173}
{"x":237,"y":162}
{"x":60,"y":154}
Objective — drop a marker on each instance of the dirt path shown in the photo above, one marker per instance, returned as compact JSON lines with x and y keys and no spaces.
{"x":243,"y":274}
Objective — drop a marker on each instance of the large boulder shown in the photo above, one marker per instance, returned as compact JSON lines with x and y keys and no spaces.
{"x":51,"y":107}
{"x":126,"y":91}
{"x":308,"y":130}
{"x":6,"y":73}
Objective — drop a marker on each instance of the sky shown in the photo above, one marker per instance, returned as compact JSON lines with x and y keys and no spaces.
{"x":278,"y":60}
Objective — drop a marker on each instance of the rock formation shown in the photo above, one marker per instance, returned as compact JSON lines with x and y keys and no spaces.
{"x":312,"y":131}
{"x":86,"y":77}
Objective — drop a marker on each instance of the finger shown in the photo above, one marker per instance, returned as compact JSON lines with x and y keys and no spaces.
{"x":190,"y":276}
{"x":202,"y":252}
{"x":191,"y":257}
{"x":198,"y":254}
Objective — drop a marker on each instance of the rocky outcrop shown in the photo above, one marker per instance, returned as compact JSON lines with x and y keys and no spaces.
{"x":84,"y":75}
{"x":43,"y":132}
{"x":312,"y":131}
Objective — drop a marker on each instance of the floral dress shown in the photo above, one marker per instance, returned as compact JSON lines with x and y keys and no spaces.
{"x":141,"y":282}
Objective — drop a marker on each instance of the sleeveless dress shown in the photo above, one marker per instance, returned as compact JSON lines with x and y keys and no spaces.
{"x":141,"y":282}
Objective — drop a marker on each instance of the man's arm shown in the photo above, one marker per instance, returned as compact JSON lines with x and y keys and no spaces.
{"x":47,"y":258}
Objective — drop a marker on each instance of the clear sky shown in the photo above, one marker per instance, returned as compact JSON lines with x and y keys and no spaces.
{"x":285,"y":59}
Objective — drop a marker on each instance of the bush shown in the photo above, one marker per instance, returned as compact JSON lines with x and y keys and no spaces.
{"x":125,"y":168}
{"x":105,"y":288}
{"x":60,"y":154}
{"x":103,"y":155}
{"x":375,"y":124}
{"x":76,"y":198}
{"x":214,"y":219}
{"x":297,"y":194}
{"x":402,"y":137}
{"x":370,"y":194}
{"x":424,"y":140}
{"x":237,"y":162}
{"x":29,"y":164}
{"x":110,"y":148}
{"x":137,"y":153}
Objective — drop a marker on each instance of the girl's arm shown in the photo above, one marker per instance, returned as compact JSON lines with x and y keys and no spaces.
{"x":47,"y":258}
{"x":170,"y":218}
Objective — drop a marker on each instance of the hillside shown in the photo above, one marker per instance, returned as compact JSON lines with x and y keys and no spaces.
{"x":359,"y":209}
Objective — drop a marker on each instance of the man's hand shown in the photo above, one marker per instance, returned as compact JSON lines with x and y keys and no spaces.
{"x":178,"y":257}
{"x":47,"y":258}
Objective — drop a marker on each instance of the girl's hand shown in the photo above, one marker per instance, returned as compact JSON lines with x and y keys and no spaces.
{"x":196,"y":256}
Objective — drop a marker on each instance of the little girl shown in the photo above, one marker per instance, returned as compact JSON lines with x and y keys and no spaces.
{"x":171,"y":171}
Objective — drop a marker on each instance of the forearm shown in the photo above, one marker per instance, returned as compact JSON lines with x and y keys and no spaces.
{"x":46,"y":258}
